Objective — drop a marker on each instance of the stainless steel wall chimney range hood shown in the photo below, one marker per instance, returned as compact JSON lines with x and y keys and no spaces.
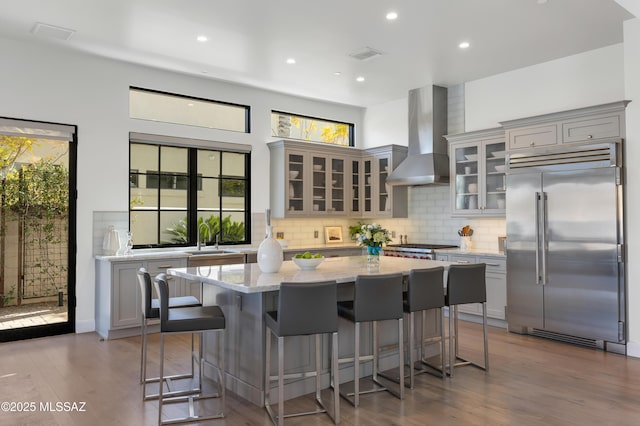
{"x":427,"y":161}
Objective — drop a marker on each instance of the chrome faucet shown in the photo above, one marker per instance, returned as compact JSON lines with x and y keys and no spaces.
{"x":200,"y":244}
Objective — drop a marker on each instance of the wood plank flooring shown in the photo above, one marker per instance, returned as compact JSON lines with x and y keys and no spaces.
{"x":532,"y":381}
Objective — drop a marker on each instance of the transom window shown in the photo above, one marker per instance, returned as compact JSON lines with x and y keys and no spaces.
{"x":178,"y":194}
{"x":151,"y":105}
{"x":292,"y":126}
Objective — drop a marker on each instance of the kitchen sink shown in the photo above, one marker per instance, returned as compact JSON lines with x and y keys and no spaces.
{"x":207,"y":252}
{"x":214,"y":257}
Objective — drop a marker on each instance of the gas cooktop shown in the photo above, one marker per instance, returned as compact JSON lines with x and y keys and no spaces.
{"x":421,"y":246}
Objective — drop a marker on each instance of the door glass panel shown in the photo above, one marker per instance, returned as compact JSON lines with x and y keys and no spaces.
{"x":319,"y":184}
{"x":495,"y":181}
{"x":295,"y":189}
{"x":233,"y":164}
{"x":35,"y":218}
{"x":337,"y":185}
{"x":367,"y":185}
{"x":355,"y":186}
{"x":466,"y":163}
{"x":383,"y":167}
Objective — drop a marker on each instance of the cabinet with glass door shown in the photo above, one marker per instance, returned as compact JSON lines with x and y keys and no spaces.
{"x":477,"y":168}
{"x":380,"y":198}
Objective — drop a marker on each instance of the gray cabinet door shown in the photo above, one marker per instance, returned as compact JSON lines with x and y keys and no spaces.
{"x":126,"y":309}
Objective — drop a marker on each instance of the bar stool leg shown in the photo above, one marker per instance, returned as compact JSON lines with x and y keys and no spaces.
{"x":161,"y":381}
{"x":411,"y":349}
{"x":484,"y":332}
{"x":376,"y":358}
{"x":335,"y":370}
{"x":356,"y":366}
{"x":452,"y":338}
{"x":443,"y":356}
{"x":318,"y":368}
{"x":401,"y":355}
{"x":143,"y":353}
{"x":280,"y":381}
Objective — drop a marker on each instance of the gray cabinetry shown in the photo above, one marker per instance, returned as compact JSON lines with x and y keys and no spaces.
{"x":496,"y":281}
{"x":319,"y":180}
{"x":118,"y":304}
{"x":584,"y":125}
{"x":477,"y":165}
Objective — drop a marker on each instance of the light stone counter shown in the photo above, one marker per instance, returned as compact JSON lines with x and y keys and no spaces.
{"x":247,"y":278}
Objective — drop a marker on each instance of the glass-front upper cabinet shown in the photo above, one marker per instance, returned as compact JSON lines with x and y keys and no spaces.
{"x":319,"y":183}
{"x":295,"y":178}
{"x":338,"y":198}
{"x":367,"y":166}
{"x":383,"y":188}
{"x":477,"y":167}
{"x":466,"y":177}
{"x":355,"y":182}
{"x":495,"y":182}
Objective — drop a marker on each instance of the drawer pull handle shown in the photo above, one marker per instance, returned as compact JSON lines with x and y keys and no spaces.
{"x":463,"y":261}
{"x":492,"y":264}
{"x":589,"y":136}
{"x":165,"y":266}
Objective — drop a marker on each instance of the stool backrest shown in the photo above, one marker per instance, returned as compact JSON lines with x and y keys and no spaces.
{"x":144,"y":279}
{"x":307,"y":308}
{"x":426,"y":289}
{"x":378,"y":297}
{"x":466,"y":284}
{"x":162,"y":288}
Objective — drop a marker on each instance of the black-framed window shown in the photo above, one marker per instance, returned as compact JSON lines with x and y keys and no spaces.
{"x":313,"y":129}
{"x":181,"y":193}
{"x":153,"y":105}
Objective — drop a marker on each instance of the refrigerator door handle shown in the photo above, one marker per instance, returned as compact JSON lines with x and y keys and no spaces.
{"x":544,"y":248}
{"x":537,"y":219}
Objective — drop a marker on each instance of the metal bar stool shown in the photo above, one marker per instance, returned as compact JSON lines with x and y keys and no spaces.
{"x":425,"y":291}
{"x":198,"y":319}
{"x":466,"y":284}
{"x":304,"y":309}
{"x":151,"y":311}
{"x":376,"y":298}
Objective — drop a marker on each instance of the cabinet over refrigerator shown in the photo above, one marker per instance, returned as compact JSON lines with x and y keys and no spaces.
{"x":565,"y":257}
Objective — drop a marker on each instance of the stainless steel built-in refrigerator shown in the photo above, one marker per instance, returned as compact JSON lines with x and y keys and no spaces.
{"x":565,"y":258}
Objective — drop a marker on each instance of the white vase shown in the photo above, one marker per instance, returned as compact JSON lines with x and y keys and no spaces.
{"x":270,"y":254}
{"x":111,"y":241}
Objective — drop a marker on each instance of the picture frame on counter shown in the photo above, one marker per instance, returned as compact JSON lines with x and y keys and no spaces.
{"x":333,"y":234}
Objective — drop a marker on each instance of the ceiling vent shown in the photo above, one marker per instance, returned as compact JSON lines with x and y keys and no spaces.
{"x":365,"y":54}
{"x":52,"y":31}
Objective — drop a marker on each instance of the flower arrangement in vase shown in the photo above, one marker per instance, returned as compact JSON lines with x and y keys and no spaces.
{"x":373,"y":236}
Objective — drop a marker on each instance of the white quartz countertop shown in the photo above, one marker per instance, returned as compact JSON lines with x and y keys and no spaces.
{"x":247,"y":278}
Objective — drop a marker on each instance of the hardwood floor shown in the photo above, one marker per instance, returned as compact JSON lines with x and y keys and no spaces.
{"x":532,"y":381}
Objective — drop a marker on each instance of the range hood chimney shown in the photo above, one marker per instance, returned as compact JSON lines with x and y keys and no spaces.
{"x":427,"y":161}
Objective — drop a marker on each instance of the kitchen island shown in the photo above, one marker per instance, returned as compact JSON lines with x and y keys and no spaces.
{"x":245,"y":293}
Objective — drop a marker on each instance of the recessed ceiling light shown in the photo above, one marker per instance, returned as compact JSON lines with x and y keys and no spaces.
{"x":190,"y":104}
{"x":202,"y":38}
{"x":391,"y":16}
{"x":464,"y":45}
{"x":291,"y":61}
{"x":360,"y":79}
{"x":337,"y":73}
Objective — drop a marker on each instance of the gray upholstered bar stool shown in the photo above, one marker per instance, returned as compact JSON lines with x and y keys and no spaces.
{"x":151,"y":311}
{"x":425,"y":291}
{"x":304,"y":309}
{"x":376,"y":298}
{"x":465,"y":284}
{"x":197,"y":319}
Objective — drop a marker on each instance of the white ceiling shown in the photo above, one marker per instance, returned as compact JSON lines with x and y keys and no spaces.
{"x":249,"y":40}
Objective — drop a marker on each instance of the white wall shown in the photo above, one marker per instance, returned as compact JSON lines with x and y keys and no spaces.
{"x":632,"y":92}
{"x":386,"y":124}
{"x":52,"y":84}
{"x":590,"y":78}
